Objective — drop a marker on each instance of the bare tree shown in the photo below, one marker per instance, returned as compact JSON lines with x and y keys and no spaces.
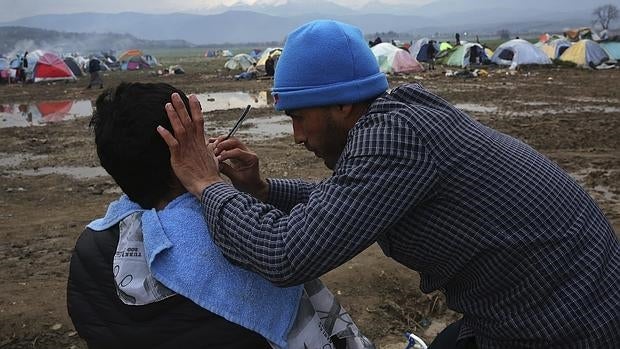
{"x":605,"y":14}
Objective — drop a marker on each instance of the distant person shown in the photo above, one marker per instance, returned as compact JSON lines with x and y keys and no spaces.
{"x":249,"y":74}
{"x":474,"y":55}
{"x":144,"y":277}
{"x":457,"y":38}
{"x":24,"y":67}
{"x":270,"y":66}
{"x":94,"y":69}
{"x":431,"y":52}
{"x":20,"y":73}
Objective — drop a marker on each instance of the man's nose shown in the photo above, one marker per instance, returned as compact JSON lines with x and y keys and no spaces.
{"x":298,"y":134}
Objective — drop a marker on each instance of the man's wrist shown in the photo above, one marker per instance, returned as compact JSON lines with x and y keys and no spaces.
{"x":200,"y":187}
{"x":262,"y":193}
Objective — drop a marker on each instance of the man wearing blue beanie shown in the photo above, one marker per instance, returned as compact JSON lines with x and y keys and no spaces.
{"x":515,"y":244}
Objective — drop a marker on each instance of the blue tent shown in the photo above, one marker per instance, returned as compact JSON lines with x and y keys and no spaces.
{"x":612,"y":48}
{"x":422,"y":55}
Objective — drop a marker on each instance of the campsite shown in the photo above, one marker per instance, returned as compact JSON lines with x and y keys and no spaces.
{"x":554,"y":89}
{"x":51,"y":188}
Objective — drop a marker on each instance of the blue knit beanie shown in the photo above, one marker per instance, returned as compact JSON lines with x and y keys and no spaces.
{"x":326,"y":63}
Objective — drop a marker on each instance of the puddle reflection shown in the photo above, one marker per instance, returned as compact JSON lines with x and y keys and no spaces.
{"x":257,"y":128}
{"x":41,"y":113}
{"x":233,"y":100}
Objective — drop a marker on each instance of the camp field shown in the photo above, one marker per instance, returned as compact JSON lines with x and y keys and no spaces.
{"x":571,"y":115}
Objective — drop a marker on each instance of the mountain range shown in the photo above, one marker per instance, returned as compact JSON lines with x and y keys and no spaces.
{"x":241,"y":23}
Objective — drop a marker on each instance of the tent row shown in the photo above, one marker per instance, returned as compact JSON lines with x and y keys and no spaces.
{"x":48,"y":66}
{"x":42,"y":66}
{"x":243,"y":61}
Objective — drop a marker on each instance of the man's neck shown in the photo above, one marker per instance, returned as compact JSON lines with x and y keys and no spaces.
{"x":173,"y":194}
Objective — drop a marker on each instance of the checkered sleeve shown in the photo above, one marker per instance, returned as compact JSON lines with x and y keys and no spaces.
{"x":286,"y":193}
{"x":382,"y":173}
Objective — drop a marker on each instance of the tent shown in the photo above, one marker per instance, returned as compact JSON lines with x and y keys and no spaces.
{"x":5,"y":69}
{"x":74,"y":66}
{"x":422,"y":55}
{"x":612,"y":48}
{"x":415,"y":48}
{"x":132,"y":60}
{"x":53,"y":111}
{"x":125,"y":56}
{"x":272,"y":52}
{"x":255,"y":53}
{"x":241,"y":61}
{"x":554,"y":48}
{"x":585,"y":53}
{"x":580,"y":33}
{"x":392,"y":59}
{"x":226,"y":53}
{"x":461,"y":56}
{"x":518,"y":52}
{"x":445,"y":46}
{"x":48,"y":67}
{"x":150,"y":60}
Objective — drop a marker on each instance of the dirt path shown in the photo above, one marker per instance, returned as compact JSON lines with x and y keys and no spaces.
{"x":570,"y":115}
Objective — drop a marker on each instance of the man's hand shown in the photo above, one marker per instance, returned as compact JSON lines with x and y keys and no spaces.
{"x":192,"y":160}
{"x":242,"y":169}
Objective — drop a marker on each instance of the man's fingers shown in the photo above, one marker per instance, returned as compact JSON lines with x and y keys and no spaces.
{"x":179,"y":107}
{"x":168,"y":138}
{"x":195,"y":109}
{"x":196,"y":114}
{"x":234,"y":154}
{"x":174,"y":120}
{"x":229,"y":143}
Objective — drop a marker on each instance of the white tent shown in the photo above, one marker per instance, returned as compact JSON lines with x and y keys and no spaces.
{"x":241,"y":61}
{"x":415,"y":48}
{"x":519,"y":52}
{"x":392,"y":59}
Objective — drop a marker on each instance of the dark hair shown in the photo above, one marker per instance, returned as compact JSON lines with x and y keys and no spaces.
{"x":128,"y":145}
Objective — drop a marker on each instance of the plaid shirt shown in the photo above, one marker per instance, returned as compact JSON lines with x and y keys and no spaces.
{"x":512,"y":240}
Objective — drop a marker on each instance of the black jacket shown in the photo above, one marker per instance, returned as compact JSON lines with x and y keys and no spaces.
{"x":94,"y":65}
{"x":104,"y":321}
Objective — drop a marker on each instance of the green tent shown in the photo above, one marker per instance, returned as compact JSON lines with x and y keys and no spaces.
{"x":445,"y":46}
{"x":459,"y":55}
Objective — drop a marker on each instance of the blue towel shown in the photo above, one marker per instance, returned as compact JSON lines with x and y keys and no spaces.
{"x":182,"y":255}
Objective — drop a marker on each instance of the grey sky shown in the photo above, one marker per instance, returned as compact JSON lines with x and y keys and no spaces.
{"x":15,"y":9}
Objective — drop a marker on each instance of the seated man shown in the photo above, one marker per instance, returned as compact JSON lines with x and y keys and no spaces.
{"x":249,"y":74}
{"x":143,"y":276}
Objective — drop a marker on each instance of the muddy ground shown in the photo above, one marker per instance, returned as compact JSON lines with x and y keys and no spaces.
{"x":570,"y":115}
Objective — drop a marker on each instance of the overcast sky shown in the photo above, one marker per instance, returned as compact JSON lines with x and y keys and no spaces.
{"x":15,"y":9}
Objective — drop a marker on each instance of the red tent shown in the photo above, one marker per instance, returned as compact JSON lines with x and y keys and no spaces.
{"x":54,"y":110}
{"x":49,"y":67}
